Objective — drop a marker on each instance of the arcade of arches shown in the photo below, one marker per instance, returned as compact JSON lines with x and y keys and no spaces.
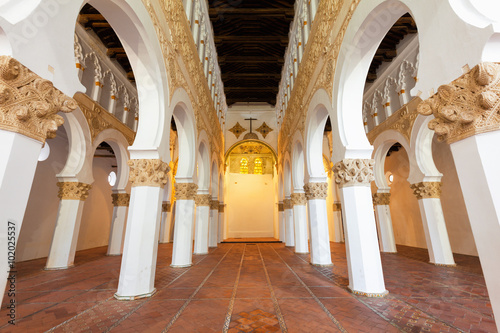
{"x":250,"y":166}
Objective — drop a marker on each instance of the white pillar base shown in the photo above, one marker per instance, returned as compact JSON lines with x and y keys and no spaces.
{"x":436,"y":235}
{"x":18,"y":156}
{"x":363,"y":253}
{"x":138,"y":268}
{"x":320,"y":242}
{"x":63,"y":247}
{"x":384,"y":227}
{"x":213,"y":228}
{"x":289,"y":230}
{"x":300,"y":223}
{"x":201,"y":230}
{"x":117,"y":232}
{"x":182,"y":253}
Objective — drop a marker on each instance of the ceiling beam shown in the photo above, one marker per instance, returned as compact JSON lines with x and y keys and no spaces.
{"x":251,"y":11}
{"x":251,"y":89}
{"x":250,"y":76}
{"x":250,"y":59}
{"x":251,"y":39}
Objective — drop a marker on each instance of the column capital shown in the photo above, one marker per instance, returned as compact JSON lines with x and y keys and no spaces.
{"x":280,"y":206}
{"x":426,"y":190}
{"x":316,"y":191}
{"x":185,"y":191}
{"x":73,"y":190}
{"x":28,"y":103}
{"x":221,"y":207}
{"x":166,"y":207}
{"x":120,"y":199}
{"x":467,"y":106}
{"x":381,"y":199}
{"x":214,"y":204}
{"x":337,"y":207}
{"x":203,"y":200}
{"x":146,"y":172}
{"x":287,"y":204}
{"x":299,"y":199}
{"x":354,"y":172}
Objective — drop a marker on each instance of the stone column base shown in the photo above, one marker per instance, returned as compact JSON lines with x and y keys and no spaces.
{"x":133,"y":298}
{"x":365,"y":294}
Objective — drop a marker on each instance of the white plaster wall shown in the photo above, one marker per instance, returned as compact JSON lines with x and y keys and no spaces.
{"x":452,"y":200}
{"x":405,"y":212}
{"x":41,"y":212}
{"x":262,"y":112}
{"x":250,"y":206}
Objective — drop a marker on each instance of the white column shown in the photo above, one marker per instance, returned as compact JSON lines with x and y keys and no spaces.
{"x":214,"y":223}
{"x":289,"y":225}
{"x":202,"y":202}
{"x":313,"y":7}
{"x":69,"y":216}
{"x":221,"y":222}
{"x":182,"y":253}
{"x":300,"y":222}
{"x":117,"y":232}
{"x":337,"y":222}
{"x":436,"y":236}
{"x":18,"y":161}
{"x":166,"y":222}
{"x":111,"y":104}
{"x":477,"y":159}
{"x":386,"y":239}
{"x":96,"y":90}
{"x":316,"y":194}
{"x":188,"y":7}
{"x":281,"y":218}
{"x":125,"y":115}
{"x":195,"y":26}
{"x":138,"y":267}
{"x":363,"y":253}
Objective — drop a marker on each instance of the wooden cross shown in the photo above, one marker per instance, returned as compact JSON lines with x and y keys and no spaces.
{"x":251,"y":119}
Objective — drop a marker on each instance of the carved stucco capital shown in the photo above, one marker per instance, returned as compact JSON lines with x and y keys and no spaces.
{"x":299,"y":199}
{"x":354,"y":172}
{"x":166,"y":207}
{"x":203,"y":200}
{"x":185,"y":191}
{"x":381,"y":199}
{"x":73,"y":190}
{"x":280,"y":207}
{"x":287,"y":204}
{"x":28,"y":103}
{"x":426,"y":190}
{"x":214,"y":204}
{"x":147,"y":172}
{"x":316,"y":191}
{"x":221,"y":207}
{"x":337,"y":207}
{"x":120,"y":199}
{"x":467,"y":106}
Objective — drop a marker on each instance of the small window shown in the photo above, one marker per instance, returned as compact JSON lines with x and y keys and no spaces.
{"x":257,"y":169}
{"x":112,"y":178}
{"x":44,"y":153}
{"x":244,"y":166}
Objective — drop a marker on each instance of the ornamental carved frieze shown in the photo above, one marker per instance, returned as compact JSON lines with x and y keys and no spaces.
{"x":299,"y":199}
{"x":280,"y":207}
{"x":148,"y":172}
{"x":214,"y":204}
{"x":203,"y":200}
{"x":73,"y":190}
{"x":426,"y":190}
{"x":100,"y":119}
{"x":166,"y":207}
{"x":316,"y":190}
{"x":221,"y":207}
{"x":381,"y":199}
{"x":28,"y":103}
{"x":287,"y":204}
{"x":468,"y":106}
{"x":185,"y":191}
{"x":120,"y":199}
{"x":354,"y":172}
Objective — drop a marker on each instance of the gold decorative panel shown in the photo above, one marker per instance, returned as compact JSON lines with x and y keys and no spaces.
{"x":237,"y":130}
{"x":264,"y":129}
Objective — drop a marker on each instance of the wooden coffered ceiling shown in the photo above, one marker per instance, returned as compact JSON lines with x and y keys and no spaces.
{"x":251,"y":37}
{"x":91,"y":19}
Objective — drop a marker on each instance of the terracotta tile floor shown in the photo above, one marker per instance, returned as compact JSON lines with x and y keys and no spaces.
{"x":252,"y":288}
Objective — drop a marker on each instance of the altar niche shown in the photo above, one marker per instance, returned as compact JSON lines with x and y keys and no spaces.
{"x":250,"y":190}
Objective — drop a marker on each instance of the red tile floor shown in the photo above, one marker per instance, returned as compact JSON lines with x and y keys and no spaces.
{"x":252,"y":288}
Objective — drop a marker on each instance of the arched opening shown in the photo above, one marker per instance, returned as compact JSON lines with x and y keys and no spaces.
{"x":250,"y":182}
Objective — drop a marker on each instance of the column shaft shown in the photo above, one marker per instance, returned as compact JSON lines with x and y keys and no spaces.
{"x":214,"y":224}
{"x":166,"y":222}
{"x":281,"y":219}
{"x":221,"y":222}
{"x":201,"y":231}
{"x":117,"y":232}
{"x":386,"y":239}
{"x":300,"y":223}
{"x":182,"y":253}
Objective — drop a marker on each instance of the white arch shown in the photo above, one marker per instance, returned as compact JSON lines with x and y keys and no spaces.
{"x":186,"y":135}
{"x":214,"y":178}
{"x":119,"y":144}
{"x":297,"y":163}
{"x":421,"y":142}
{"x":287,"y":176}
{"x":317,"y":115}
{"x":203,"y":162}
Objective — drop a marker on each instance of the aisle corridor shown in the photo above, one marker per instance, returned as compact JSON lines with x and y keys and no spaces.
{"x":252,"y":288}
